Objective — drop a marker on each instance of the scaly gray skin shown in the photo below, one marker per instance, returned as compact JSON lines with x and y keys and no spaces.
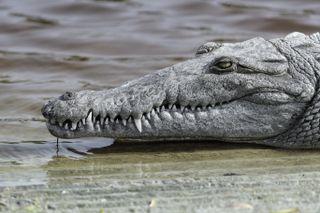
{"x":257,"y":91}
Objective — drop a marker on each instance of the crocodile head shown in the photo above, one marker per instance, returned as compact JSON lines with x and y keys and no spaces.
{"x":246,"y":91}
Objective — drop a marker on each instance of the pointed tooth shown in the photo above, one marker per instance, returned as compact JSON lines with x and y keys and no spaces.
{"x":153,"y":112}
{"x":148,"y":115}
{"x":193,"y":108}
{"x":89,"y":117}
{"x":117,"y":121}
{"x":157,"y":109}
{"x":124,"y":122}
{"x":97,"y":125}
{"x":66,"y":126}
{"x":106,"y":121}
{"x":174,"y":108}
{"x":74,"y":126}
{"x":170,"y":106}
{"x":89,"y":125}
{"x":146,"y":124}
{"x":138,"y":124}
{"x":182,"y":108}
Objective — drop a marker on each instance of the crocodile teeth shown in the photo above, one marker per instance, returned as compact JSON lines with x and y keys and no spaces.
{"x":148,"y":116}
{"x":106,"y":121}
{"x":89,"y":117}
{"x":138,"y":124}
{"x":74,"y":126}
{"x":89,"y":123}
{"x":66,"y":126}
{"x":124,"y":122}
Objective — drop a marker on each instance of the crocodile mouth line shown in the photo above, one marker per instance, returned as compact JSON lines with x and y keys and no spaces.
{"x":98,"y":122}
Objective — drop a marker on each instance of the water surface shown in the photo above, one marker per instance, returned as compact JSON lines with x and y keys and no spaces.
{"x":49,"y":47}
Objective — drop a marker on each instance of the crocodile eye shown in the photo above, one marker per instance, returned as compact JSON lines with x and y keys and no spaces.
{"x":224,"y":64}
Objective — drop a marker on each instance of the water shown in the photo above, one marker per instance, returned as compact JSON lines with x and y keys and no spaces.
{"x":49,"y":47}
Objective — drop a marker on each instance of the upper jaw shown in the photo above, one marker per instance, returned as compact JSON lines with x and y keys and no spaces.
{"x":101,"y":117}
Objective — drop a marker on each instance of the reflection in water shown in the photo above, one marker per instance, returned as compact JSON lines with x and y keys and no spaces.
{"x":36,"y":153}
{"x":21,"y":163}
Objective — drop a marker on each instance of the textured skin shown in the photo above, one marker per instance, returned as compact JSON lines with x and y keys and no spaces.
{"x":256,"y":91}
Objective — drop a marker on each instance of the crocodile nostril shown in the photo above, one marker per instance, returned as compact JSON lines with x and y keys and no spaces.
{"x":68,"y":96}
{"x":47,"y":111}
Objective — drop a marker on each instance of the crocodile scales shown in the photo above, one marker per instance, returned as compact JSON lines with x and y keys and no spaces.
{"x":255,"y":91}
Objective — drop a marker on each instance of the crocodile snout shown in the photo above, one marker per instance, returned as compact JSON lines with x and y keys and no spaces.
{"x":47,"y":110}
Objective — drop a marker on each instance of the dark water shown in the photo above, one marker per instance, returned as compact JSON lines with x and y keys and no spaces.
{"x":48,"y":47}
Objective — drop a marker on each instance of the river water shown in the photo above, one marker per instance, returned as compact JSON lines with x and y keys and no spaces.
{"x":49,"y":47}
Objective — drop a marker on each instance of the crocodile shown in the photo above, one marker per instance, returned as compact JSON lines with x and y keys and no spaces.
{"x":263,"y":91}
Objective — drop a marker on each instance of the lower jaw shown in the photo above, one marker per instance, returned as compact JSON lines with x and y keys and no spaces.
{"x":130,"y":133}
